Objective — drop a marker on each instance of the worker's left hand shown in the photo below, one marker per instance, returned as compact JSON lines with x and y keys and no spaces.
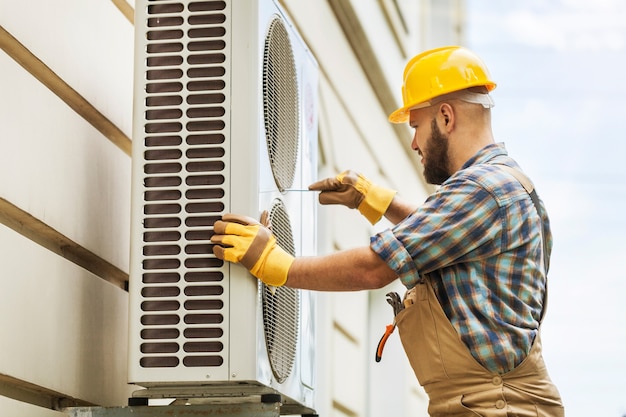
{"x":241,"y":239}
{"x":354,"y":190}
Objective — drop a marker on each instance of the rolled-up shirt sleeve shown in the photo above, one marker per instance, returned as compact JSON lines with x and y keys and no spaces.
{"x":391,"y":250}
{"x":458,"y":223}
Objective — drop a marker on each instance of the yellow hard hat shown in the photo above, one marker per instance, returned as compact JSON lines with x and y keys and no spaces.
{"x":437,"y":72}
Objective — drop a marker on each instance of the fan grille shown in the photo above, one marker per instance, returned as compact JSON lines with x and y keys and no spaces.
{"x":280,"y":104}
{"x":281,"y":306}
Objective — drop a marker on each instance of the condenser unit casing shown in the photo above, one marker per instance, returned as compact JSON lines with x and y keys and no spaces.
{"x":225,"y":120}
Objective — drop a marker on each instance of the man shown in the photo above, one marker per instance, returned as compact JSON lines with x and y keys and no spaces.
{"x":473,"y":257}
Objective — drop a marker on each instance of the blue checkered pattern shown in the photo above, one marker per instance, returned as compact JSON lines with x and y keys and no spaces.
{"x":477,"y":239}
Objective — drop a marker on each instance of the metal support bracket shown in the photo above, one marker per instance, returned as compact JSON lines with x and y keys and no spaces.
{"x":259,"y":409}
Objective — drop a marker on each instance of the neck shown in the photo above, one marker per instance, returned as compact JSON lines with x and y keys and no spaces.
{"x":470,"y":133}
{"x":466,"y":144}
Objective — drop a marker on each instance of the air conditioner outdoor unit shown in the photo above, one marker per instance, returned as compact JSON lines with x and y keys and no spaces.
{"x":225,"y":120}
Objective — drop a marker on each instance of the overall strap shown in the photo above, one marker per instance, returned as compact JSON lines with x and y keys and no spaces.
{"x":530,"y":189}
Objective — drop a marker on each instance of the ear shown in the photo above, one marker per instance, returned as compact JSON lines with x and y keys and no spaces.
{"x":446,"y":117}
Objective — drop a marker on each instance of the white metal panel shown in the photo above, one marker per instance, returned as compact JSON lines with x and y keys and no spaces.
{"x":89,"y":44}
{"x":15,"y":408}
{"x":62,"y":328}
{"x":60,"y":169}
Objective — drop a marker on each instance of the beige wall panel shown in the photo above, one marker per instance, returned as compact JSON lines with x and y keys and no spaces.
{"x":416,"y":400}
{"x":375,"y":153}
{"x":349,"y":311}
{"x":348,"y":227}
{"x":89,"y":44}
{"x":60,"y":169}
{"x":380,"y":34}
{"x":359,"y":106}
{"x":12,"y":408}
{"x":62,"y":328}
{"x":347,"y":374}
{"x":345,"y":140}
{"x":323,"y":354}
{"x":376,"y":136}
{"x":338,"y":412}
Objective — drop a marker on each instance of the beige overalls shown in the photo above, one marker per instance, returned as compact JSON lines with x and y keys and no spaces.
{"x":456,"y":383}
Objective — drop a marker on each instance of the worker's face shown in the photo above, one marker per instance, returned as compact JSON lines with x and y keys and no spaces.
{"x":432,"y":146}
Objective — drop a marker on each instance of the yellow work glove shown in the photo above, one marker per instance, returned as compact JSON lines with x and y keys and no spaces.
{"x":353,"y":190}
{"x":241,"y":239}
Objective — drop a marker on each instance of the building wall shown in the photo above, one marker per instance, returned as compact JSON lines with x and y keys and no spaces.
{"x":65,"y":118}
{"x":65,"y":123}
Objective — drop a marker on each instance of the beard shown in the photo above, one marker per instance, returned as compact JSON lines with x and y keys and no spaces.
{"x":436,"y":165}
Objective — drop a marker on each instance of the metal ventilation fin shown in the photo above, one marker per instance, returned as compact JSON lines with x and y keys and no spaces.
{"x":183,"y":184}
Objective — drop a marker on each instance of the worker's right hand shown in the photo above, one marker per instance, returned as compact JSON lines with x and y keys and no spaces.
{"x":354,"y":190}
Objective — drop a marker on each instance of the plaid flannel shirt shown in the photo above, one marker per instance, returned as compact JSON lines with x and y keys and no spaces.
{"x":477,"y":239}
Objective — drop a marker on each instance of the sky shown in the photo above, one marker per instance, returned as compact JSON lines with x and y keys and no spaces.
{"x":560,"y":66}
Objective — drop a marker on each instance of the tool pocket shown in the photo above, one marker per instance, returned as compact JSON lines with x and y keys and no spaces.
{"x":418,"y":333}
